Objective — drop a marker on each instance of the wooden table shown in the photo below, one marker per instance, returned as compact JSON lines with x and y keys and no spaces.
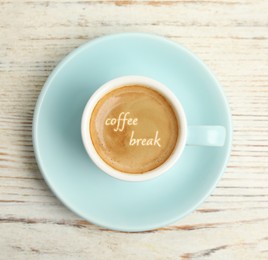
{"x":230,"y":36}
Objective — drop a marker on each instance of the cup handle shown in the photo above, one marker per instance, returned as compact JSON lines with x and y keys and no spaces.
{"x":206,"y":135}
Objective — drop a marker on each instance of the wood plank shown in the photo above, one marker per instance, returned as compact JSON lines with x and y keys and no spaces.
{"x":231,"y":37}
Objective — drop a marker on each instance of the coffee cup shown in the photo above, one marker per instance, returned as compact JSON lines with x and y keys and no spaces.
{"x":135,"y":129}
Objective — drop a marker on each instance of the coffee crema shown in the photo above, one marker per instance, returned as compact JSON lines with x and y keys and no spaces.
{"x":134,"y":129}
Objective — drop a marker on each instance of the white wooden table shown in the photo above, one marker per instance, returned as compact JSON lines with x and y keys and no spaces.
{"x":230,"y":36}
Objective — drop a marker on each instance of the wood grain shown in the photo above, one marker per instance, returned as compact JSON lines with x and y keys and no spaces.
{"x":230,"y":36}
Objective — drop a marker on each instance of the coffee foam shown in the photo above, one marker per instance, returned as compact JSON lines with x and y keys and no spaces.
{"x":154,"y":116}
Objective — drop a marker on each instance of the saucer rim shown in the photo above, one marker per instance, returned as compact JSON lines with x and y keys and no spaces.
{"x":42,"y":95}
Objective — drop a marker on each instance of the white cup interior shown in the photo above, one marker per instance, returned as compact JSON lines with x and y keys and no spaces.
{"x":120,"y":82}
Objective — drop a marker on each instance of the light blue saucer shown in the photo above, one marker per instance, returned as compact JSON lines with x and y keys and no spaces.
{"x":64,"y":163}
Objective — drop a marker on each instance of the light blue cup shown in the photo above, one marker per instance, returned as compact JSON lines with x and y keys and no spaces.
{"x":79,"y":183}
{"x":205,"y":135}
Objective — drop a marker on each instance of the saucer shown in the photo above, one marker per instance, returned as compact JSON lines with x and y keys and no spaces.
{"x":84,"y":188}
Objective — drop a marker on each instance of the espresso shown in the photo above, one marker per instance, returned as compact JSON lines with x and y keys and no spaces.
{"x":134,"y":129}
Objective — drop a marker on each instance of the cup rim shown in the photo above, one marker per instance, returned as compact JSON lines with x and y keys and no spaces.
{"x":117,"y":83}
